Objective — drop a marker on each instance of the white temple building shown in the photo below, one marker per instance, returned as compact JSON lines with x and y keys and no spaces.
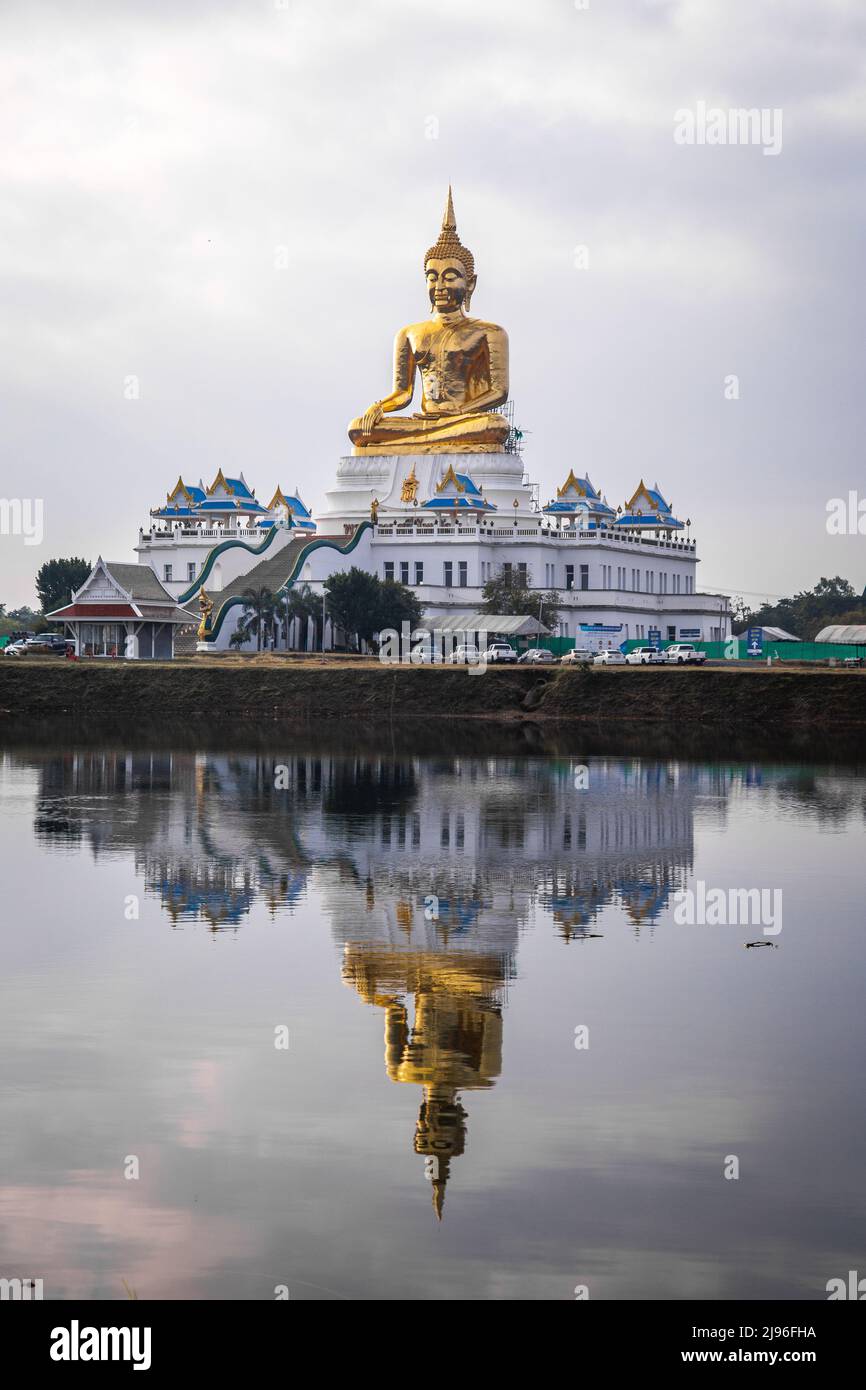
{"x":441,"y":502}
{"x":445,"y":524}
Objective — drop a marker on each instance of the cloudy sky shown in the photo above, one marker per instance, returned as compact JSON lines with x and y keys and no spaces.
{"x":229,"y":200}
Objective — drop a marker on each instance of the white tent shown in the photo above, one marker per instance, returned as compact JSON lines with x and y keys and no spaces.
{"x":494,"y":624}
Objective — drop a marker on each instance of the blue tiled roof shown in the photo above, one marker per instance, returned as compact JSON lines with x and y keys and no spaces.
{"x":663,"y":520}
{"x":239,"y":487}
{"x":593,"y":505}
{"x":448,"y":504}
{"x":232,"y":504}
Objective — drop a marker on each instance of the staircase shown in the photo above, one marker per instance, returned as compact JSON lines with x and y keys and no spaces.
{"x":271,"y":573}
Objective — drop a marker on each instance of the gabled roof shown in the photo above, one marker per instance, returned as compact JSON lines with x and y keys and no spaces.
{"x":651,"y":495}
{"x":190,"y":495}
{"x":294,"y":503}
{"x":581,"y":486}
{"x":450,"y":479}
{"x":458,"y":490}
{"x":461,"y":503}
{"x":137,"y":585}
{"x":235,"y":487}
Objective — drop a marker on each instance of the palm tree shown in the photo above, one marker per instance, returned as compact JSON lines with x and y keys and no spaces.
{"x":259,"y":612}
{"x":300,"y":603}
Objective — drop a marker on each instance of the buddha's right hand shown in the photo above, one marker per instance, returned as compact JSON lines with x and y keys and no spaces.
{"x":371,"y":417}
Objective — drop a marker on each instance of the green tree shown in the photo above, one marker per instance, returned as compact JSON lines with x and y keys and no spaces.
{"x":300,"y":602}
{"x":831,"y":601}
{"x":57,"y":580}
{"x":508,"y":592}
{"x":397,"y":605}
{"x":353,"y":602}
{"x":363,"y":605}
{"x":259,"y":612}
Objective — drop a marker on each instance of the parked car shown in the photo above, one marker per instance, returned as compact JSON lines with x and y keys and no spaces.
{"x":645,"y":656}
{"x":465,"y":652}
{"x":46,"y":642}
{"x":578,"y":656}
{"x":536,"y":656}
{"x":15,"y":648}
{"x":612,"y":657}
{"x":681,"y":653}
{"x":500,"y":651}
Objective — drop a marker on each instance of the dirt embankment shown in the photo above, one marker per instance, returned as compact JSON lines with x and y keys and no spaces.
{"x":734,"y":698}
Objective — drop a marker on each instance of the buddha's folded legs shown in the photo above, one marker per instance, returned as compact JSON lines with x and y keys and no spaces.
{"x":485,"y":432}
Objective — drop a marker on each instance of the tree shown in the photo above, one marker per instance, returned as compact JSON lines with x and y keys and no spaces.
{"x":57,"y":580}
{"x":831,"y":601}
{"x":363,"y":605}
{"x":508,"y":592}
{"x":353,"y":602}
{"x":259,"y":611}
{"x":303,"y":604}
{"x":397,"y":605}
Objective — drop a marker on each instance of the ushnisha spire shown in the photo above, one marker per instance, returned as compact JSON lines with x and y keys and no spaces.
{"x":449,"y":244}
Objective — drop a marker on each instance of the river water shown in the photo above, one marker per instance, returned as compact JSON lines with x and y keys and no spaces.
{"x":372,"y":1022}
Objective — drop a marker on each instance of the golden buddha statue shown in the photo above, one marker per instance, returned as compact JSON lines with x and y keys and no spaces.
{"x":463,"y":364}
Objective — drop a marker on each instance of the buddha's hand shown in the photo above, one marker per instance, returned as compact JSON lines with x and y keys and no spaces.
{"x":371,"y":417}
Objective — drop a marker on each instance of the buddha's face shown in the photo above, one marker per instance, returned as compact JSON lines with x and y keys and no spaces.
{"x":447,"y":283}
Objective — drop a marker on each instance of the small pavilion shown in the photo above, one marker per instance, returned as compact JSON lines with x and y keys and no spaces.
{"x":122,"y":611}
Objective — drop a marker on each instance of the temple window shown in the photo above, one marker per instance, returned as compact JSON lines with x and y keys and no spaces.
{"x":569,"y":576}
{"x":447,"y":574}
{"x":462,"y":573}
{"x":584,"y":576}
{"x":190,"y":570}
{"x":389,"y":569}
{"x":404,"y":571}
{"x":167,"y":574}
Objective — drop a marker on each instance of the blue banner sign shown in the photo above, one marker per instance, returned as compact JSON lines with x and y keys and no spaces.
{"x":600,"y":627}
{"x":655,"y":638}
{"x":691,"y":632}
{"x":755,"y":641}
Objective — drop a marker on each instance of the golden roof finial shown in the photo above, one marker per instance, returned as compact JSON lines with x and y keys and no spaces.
{"x":449,"y":221}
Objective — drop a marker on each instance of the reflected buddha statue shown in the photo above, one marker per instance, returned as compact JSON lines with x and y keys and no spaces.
{"x":462,"y":361}
{"x":454,"y":1043}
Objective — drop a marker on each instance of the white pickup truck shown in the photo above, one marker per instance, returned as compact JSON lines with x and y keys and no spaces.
{"x":681,"y":653}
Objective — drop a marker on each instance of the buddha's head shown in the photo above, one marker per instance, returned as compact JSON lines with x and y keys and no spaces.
{"x":449,"y":268}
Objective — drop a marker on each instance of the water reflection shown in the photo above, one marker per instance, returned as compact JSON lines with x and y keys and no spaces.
{"x":430,"y":923}
{"x":427,"y":871}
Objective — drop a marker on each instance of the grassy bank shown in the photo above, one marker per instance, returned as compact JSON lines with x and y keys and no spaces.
{"x":733,"y":698}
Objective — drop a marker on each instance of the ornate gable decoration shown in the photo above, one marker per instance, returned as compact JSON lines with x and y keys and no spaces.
{"x":221,"y":481}
{"x":279,"y":499}
{"x":179,"y":490}
{"x":642,"y":492}
{"x":450,"y":479}
{"x":573,"y":484}
{"x":100,"y":586}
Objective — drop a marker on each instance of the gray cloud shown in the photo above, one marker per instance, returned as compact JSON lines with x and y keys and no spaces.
{"x":154,"y":157}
